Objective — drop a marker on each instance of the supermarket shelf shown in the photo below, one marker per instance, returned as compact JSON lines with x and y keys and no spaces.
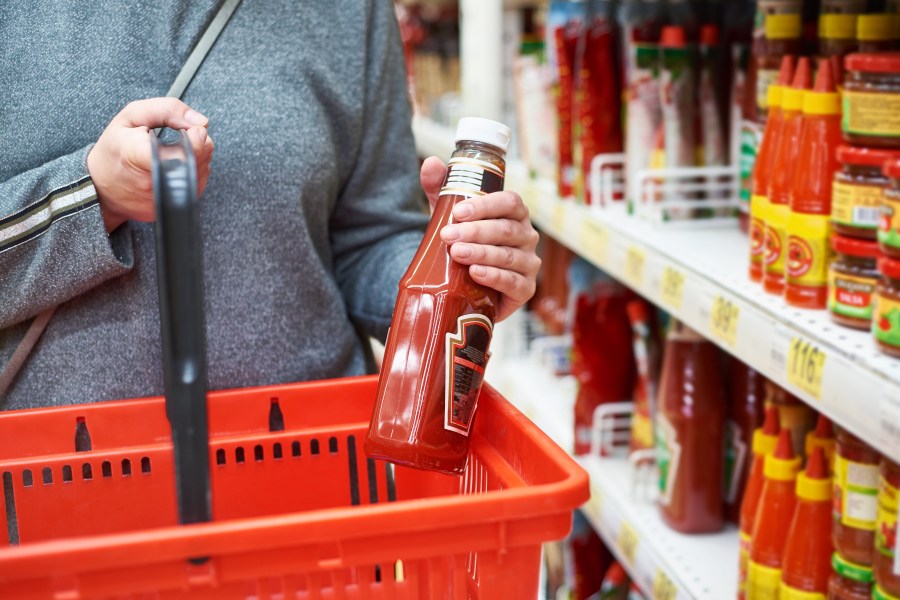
{"x":700,"y":276}
{"x":432,"y":139}
{"x":665,"y":564}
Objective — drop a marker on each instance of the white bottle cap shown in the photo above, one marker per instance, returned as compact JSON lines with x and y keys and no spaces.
{"x":484,"y":130}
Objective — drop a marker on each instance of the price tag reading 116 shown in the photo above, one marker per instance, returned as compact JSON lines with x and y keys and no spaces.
{"x":805,"y":363}
{"x":723,"y":320}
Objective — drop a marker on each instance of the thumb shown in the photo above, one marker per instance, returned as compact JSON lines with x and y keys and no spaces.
{"x":160,"y":112}
{"x":432,"y":177}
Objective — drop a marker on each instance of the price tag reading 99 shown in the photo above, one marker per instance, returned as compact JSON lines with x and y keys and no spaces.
{"x":634,"y":265}
{"x":805,"y":363}
{"x":723,"y":320}
{"x":671,"y":287}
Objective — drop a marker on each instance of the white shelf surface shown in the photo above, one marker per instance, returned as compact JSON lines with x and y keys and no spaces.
{"x":665,"y":564}
{"x":700,"y":276}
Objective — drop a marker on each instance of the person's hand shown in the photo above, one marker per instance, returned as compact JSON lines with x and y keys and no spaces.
{"x":119,"y":163}
{"x":493,"y":236}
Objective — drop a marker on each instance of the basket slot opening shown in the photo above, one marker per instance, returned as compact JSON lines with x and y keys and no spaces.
{"x":276,"y":451}
{"x":106,"y":468}
{"x":9,"y":498}
{"x":67,"y":473}
{"x":239,"y":454}
{"x":87,"y":472}
{"x":378,"y":573}
{"x":145,"y":464}
{"x":82,"y":435}
{"x":258,"y":453}
{"x":47,"y":474}
{"x":276,"y":418}
{"x":314,"y":447}
{"x":27,"y":478}
{"x":353,"y":469}
{"x":391,"y":485}
{"x":332,"y":445}
{"x":126,"y":467}
{"x":295,"y":449}
{"x":220,"y":456}
{"x":372,"y":472}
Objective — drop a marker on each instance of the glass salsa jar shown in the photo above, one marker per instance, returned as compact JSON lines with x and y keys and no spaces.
{"x":852,"y":280}
{"x":855,"y":498}
{"x":856,"y":193}
{"x":886,"y":313}
{"x":872,"y":99}
{"x":889,"y":220}
{"x":849,"y":581}
{"x":887,"y":581}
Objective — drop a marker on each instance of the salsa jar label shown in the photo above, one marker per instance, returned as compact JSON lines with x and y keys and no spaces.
{"x":467,"y":357}
{"x":790,"y":593}
{"x":471,"y":177}
{"x":855,"y":493}
{"x":886,"y":320}
{"x":759,"y":206}
{"x":871,"y":114}
{"x":763,"y":582}
{"x":889,"y":222}
{"x":851,"y":296}
{"x":886,"y":526}
{"x":855,"y":205}
{"x":668,"y":456}
{"x":809,"y":251}
{"x":776,"y":224}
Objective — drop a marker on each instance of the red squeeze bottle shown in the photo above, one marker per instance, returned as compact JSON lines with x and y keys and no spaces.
{"x":821,"y":437}
{"x":783,"y":170}
{"x":807,"y":556}
{"x":773,"y":516}
{"x":759,"y":201}
{"x":764,"y":441}
{"x":437,"y":348}
{"x":809,"y":225}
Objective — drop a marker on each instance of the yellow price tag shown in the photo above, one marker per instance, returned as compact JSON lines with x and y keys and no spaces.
{"x":671,"y":288}
{"x":594,"y":241}
{"x":634,"y":265}
{"x":627,"y":542}
{"x":595,"y":503}
{"x":805,"y":363}
{"x":663,"y":588}
{"x":723,"y":320}
{"x":558,"y":219}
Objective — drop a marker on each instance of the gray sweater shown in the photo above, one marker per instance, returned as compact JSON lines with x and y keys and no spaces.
{"x":311,"y":214}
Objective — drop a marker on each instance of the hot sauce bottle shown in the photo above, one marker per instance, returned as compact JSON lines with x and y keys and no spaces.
{"x":764,"y":441}
{"x":437,"y":348}
{"x":809,"y":225}
{"x":821,"y":437}
{"x":781,"y":178}
{"x":773,"y":516}
{"x":807,"y":556}
{"x":745,"y":414}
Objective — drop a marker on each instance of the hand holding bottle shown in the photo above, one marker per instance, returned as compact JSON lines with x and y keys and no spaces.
{"x":493,"y":236}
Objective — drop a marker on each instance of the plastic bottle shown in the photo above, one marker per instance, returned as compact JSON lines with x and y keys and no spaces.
{"x":837,"y":37}
{"x":677,"y":97}
{"x":807,"y":556}
{"x":712,"y":99}
{"x":745,"y":415}
{"x":780,"y":183}
{"x":689,"y":432}
{"x":809,"y":225}
{"x":793,"y":414}
{"x":437,"y":348}
{"x":822,"y":437}
{"x":759,"y":201}
{"x":764,"y":441}
{"x":878,"y":32}
{"x":773,"y":516}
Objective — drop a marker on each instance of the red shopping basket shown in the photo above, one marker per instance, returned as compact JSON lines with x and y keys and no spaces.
{"x":299,"y":510}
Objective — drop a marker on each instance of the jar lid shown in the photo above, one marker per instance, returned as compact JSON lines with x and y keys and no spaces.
{"x":892,"y":168}
{"x":882,"y":62}
{"x":865,"y":157}
{"x":672,"y":36}
{"x":843,"y":244}
{"x":850,"y":570}
{"x":889,"y":267}
{"x":783,"y":26}
{"x":877,"y":28}
{"x":483,"y":130}
{"x":837,"y":26}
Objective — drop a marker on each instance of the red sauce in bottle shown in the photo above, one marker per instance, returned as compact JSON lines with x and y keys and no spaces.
{"x":821,"y":437}
{"x":437,"y":348}
{"x":745,"y":415}
{"x":886,"y":529}
{"x":689,"y":433}
{"x":855,"y":498}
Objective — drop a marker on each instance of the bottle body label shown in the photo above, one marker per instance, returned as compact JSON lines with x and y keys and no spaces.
{"x":886,"y":527}
{"x":467,"y":356}
{"x":668,"y":455}
{"x":763,"y":583}
{"x":809,"y":252}
{"x":855,"y":493}
{"x":471,"y":177}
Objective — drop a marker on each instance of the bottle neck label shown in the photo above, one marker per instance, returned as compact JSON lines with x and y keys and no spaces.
{"x":471,"y":177}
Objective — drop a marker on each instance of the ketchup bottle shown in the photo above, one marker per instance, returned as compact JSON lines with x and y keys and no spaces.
{"x":782,"y":173}
{"x":764,"y":441}
{"x":745,"y":414}
{"x":437,"y":348}
{"x":759,"y":200}
{"x":821,"y":437}
{"x":809,"y":226}
{"x":773,"y":516}
{"x":807,"y":556}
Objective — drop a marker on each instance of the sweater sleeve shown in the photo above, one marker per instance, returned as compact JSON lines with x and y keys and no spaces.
{"x":53,"y":243}
{"x":381,"y":213}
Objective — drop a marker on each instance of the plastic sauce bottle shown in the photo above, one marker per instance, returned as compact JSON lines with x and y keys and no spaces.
{"x":821,"y":437}
{"x":793,"y":415}
{"x":886,"y":580}
{"x":689,"y":433}
{"x":764,"y":441}
{"x":745,"y":415}
{"x":779,"y":191}
{"x":759,"y":200}
{"x":837,"y":37}
{"x":855,"y":498}
{"x":437,"y":348}
{"x":809,"y":225}
{"x":773,"y":516}
{"x":807,"y":556}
